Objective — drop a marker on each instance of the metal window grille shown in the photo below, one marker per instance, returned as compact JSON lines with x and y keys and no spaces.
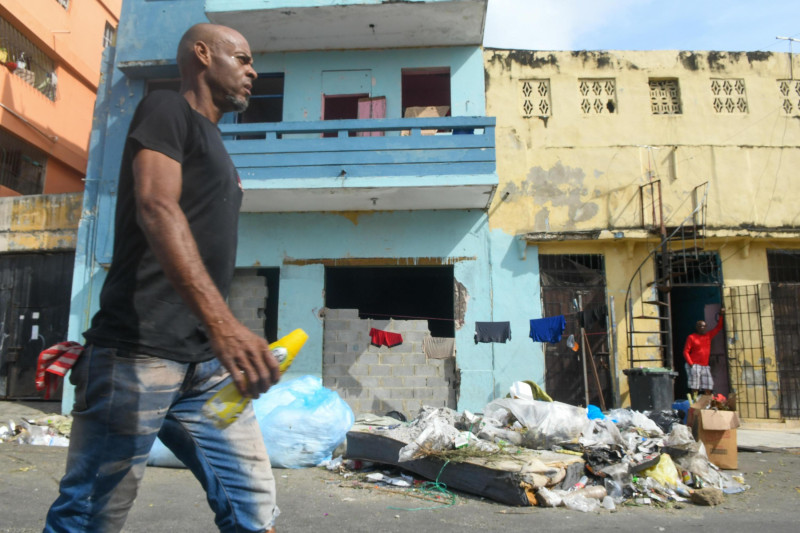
{"x":783,"y":266}
{"x":16,"y":50}
{"x":789,"y":96}
{"x":22,"y":167}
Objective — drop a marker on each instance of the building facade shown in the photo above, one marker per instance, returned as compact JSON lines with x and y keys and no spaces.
{"x":659,"y":186}
{"x":50,"y":57}
{"x":368,"y":165}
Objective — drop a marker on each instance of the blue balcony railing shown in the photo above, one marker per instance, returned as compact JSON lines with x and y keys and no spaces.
{"x":370,"y":148}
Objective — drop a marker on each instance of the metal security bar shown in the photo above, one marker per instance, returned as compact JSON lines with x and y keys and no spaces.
{"x":26,"y":60}
{"x":751,"y":350}
{"x":22,"y":167}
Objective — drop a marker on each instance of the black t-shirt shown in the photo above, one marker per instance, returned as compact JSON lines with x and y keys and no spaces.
{"x":140,"y":311}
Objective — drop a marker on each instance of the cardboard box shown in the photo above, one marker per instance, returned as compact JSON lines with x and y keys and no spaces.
{"x":425,"y":112}
{"x":717,"y":431}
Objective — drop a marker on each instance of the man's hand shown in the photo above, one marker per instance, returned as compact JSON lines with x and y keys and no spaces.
{"x":246,"y":356}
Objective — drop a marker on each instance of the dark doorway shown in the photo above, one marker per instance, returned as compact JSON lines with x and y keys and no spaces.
{"x":34,"y":314}
{"x":405,"y":293}
{"x":567,"y":282}
{"x":340,"y":107}
{"x":696,"y":294}
{"x":784,"y":277}
{"x":425,"y":87}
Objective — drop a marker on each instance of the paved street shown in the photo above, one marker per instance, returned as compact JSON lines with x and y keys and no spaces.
{"x":318,"y":500}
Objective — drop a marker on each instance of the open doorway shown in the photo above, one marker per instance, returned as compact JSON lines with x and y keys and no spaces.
{"x":415,"y":293}
{"x":425,"y":87}
{"x":696,"y":294}
{"x":340,"y":107}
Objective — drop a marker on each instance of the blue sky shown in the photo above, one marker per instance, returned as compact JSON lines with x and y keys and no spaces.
{"x":728,"y":25}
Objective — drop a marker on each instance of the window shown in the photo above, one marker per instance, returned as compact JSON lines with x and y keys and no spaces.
{"x":598,"y":96}
{"x":27,"y":61}
{"x":665,"y":97}
{"x":22,"y":166}
{"x":728,"y":96}
{"x":426,"y":88}
{"x":266,"y":100}
{"x":109,"y":35}
{"x":534,"y":98}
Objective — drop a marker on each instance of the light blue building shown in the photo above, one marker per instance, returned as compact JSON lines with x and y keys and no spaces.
{"x":350,"y":201}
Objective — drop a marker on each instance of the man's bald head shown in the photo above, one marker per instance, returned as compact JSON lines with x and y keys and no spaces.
{"x":210,"y":34}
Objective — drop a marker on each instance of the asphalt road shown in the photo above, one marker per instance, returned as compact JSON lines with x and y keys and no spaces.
{"x":318,"y":500}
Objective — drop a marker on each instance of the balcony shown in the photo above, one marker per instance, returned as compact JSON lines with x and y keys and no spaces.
{"x":367,"y":165}
{"x":286,"y":25}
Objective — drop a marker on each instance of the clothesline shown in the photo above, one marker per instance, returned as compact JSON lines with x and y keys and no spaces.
{"x":406,"y":316}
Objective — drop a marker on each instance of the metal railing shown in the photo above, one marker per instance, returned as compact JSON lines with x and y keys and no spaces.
{"x":26,"y":60}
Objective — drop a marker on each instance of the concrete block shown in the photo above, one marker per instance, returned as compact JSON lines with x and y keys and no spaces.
{"x":437,"y":381}
{"x":412,"y":407}
{"x":335,"y":370}
{"x":392,"y":359}
{"x":370,"y":382}
{"x":415,"y":381}
{"x":415,"y":359}
{"x":401,"y":393}
{"x":380,"y":370}
{"x":328,"y":382}
{"x":392,"y":381}
{"x":347,"y":336}
{"x":347,"y":382}
{"x":337,"y":325}
{"x":414,"y":337}
{"x":335,"y":346}
{"x":369,"y":359}
{"x":344,"y":358}
{"x":328,"y":358}
{"x":392,"y":404}
{"x":424,"y":370}
{"x":377,"y":324}
{"x":359,"y":370}
{"x":423,"y":393}
{"x":402,"y":370}
{"x":340,"y":313}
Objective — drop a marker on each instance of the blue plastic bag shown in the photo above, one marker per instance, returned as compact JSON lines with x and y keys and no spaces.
{"x":302,"y":422}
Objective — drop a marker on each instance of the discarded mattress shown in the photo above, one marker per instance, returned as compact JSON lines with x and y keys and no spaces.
{"x":508,"y":478}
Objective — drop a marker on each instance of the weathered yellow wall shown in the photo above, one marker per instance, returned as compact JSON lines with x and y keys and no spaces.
{"x":39,"y":223}
{"x":576,"y":171}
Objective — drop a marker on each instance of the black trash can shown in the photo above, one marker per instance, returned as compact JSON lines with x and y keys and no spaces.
{"x":651,"y":389}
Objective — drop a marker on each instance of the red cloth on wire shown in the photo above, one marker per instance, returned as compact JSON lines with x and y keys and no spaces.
{"x":53,"y":365}
{"x":385,"y":338}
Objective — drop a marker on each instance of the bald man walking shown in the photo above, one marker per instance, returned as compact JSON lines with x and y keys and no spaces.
{"x":164,"y":340}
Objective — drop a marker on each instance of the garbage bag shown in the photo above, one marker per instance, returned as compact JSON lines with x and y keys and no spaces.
{"x":625,"y":418}
{"x":665,"y":418}
{"x":664,"y":472}
{"x":437,"y":434}
{"x":548,"y":423}
{"x":302,"y":422}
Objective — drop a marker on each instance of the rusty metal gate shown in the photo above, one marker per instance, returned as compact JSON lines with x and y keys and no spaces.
{"x":752,"y":362}
{"x":34,"y":314}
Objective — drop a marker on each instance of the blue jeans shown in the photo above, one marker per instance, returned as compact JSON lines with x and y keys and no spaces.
{"x":122,"y":402}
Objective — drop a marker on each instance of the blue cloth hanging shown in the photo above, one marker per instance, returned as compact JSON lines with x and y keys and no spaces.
{"x":548,"y":329}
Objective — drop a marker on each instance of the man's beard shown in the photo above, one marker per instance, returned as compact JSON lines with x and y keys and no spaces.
{"x":237,"y":103}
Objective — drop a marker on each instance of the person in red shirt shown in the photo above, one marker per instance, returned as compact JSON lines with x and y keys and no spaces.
{"x":697,"y":351}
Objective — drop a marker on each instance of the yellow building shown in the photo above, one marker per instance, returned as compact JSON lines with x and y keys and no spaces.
{"x":664,"y":185}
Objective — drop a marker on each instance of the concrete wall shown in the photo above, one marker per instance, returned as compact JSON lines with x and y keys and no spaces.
{"x":40,"y":222}
{"x":73,"y":38}
{"x":374,"y":379}
{"x":563,"y":170}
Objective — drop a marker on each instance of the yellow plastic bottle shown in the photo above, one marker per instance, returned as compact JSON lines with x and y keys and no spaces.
{"x":226,"y":405}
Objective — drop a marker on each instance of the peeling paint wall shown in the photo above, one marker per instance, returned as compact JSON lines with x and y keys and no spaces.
{"x":564,"y":170}
{"x":40,"y":222}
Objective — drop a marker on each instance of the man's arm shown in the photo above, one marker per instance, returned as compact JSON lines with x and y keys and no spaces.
{"x":718,"y":327}
{"x":157,"y":185}
{"x":687,"y":349}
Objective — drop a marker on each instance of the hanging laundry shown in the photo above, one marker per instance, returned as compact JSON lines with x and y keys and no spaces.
{"x":492,"y":332}
{"x":548,"y":329}
{"x":385,"y":338}
{"x":54,"y":363}
{"x":439,"y":347}
{"x":595,"y":315}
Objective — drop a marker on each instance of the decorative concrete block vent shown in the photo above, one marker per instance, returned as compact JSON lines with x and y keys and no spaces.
{"x":377,"y":380}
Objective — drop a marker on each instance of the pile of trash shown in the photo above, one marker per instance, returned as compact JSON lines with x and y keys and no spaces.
{"x":50,"y":430}
{"x":627,"y":457}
